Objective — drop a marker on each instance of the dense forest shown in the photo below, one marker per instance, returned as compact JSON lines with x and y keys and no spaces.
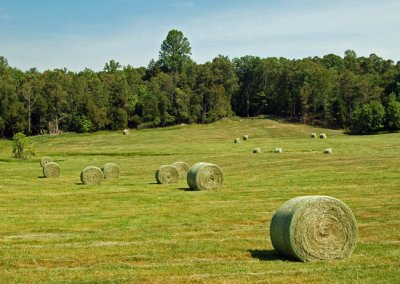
{"x":360,"y":94}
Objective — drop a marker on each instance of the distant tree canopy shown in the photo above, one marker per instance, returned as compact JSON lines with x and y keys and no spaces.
{"x":361,"y":94}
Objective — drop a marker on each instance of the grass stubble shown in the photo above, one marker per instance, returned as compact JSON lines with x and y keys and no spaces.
{"x":134,"y":230}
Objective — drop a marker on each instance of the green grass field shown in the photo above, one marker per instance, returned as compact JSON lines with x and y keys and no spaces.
{"x":133,"y":230}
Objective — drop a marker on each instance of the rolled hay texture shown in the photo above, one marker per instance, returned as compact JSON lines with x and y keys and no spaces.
{"x":322,"y":136}
{"x":256,"y":150}
{"x":92,"y":175}
{"x":110,"y":171}
{"x":51,"y":170}
{"x":245,"y":137}
{"x":167,"y":174}
{"x":45,"y":160}
{"x":182,"y":167}
{"x":310,"y":228}
{"x":313,"y":135}
{"x":237,"y":140}
{"x":125,"y":132}
{"x":278,"y":150}
{"x":328,"y":151}
{"x":205,"y":176}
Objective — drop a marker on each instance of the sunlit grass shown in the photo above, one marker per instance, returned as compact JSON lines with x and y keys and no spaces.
{"x":134,"y":230}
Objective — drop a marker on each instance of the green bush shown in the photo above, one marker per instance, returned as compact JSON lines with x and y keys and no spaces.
{"x":368,"y":118}
{"x":22,"y":148}
{"x":393,"y":113}
{"x":82,"y":124}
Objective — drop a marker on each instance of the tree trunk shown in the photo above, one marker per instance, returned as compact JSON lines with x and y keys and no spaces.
{"x":29,"y":116}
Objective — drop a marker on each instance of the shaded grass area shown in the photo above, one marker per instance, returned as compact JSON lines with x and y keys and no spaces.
{"x":134,"y":230}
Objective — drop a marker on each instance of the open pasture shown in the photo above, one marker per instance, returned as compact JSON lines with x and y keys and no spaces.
{"x":134,"y":230}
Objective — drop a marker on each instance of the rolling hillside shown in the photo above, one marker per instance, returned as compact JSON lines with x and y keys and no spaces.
{"x":135,"y":230}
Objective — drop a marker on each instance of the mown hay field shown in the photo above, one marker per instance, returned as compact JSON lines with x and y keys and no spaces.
{"x":133,"y":230}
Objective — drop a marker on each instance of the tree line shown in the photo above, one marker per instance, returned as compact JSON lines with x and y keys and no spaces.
{"x":360,"y":94}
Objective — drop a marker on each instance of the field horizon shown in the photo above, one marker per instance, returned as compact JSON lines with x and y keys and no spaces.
{"x":134,"y":230}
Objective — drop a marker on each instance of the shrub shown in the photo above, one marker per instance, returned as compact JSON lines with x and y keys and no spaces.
{"x":22,"y":148}
{"x":368,"y":118}
{"x":83,"y":124}
{"x":393,"y":113}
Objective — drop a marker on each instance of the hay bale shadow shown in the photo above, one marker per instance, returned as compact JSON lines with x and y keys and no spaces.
{"x":265,"y":255}
{"x":185,"y":189}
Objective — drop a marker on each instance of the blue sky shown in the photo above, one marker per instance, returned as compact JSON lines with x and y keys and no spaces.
{"x":75,"y":34}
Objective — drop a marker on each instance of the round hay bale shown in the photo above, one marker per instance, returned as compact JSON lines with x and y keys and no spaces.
{"x":322,"y":136}
{"x":205,"y":176}
{"x":328,"y":151}
{"x":278,"y":150}
{"x":182,"y":167}
{"x":167,"y":174}
{"x":313,"y":135}
{"x":92,"y":175}
{"x":237,"y":140}
{"x":51,"y":170}
{"x":245,"y":137}
{"x":45,"y":160}
{"x":311,"y":228}
{"x":125,"y":132}
{"x":110,"y":171}
{"x":256,"y":150}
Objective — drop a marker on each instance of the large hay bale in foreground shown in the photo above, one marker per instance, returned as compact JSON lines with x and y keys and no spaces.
{"x":110,"y":171}
{"x":322,"y":136}
{"x":245,"y":137}
{"x":125,"y":132}
{"x":328,"y":151}
{"x":311,"y":228}
{"x":51,"y":170}
{"x":45,"y":160}
{"x":205,"y":176}
{"x":167,"y":174}
{"x":236,"y":140}
{"x":313,"y":135}
{"x":92,"y":175}
{"x":256,"y":150}
{"x":182,"y":167}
